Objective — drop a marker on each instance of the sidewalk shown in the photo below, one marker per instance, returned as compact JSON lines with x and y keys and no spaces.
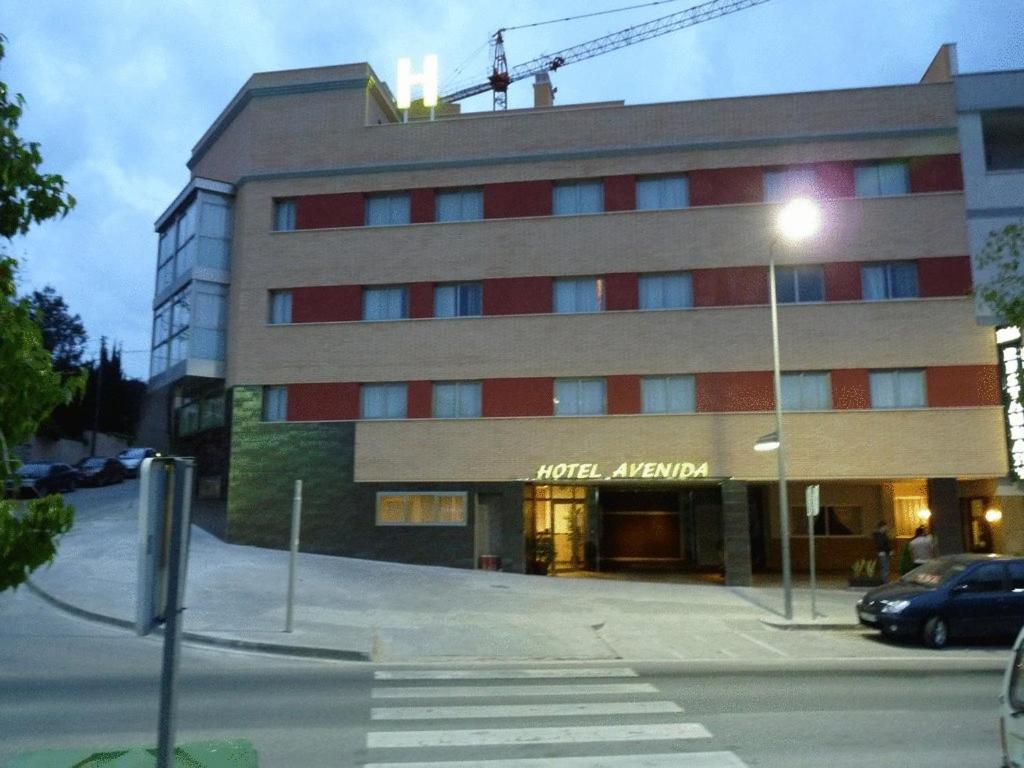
{"x":385,"y":612}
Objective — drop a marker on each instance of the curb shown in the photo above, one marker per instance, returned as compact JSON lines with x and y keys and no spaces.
{"x":277,"y":649}
{"x":788,"y":625}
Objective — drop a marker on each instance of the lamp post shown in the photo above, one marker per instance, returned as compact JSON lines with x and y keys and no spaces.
{"x":798,"y":220}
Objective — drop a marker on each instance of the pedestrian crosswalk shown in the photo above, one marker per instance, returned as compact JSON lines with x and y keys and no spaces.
{"x":577,"y":718}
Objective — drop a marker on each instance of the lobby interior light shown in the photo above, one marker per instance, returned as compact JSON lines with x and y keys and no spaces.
{"x":799,"y":219}
{"x":769,"y":442}
{"x":993,"y":515}
{"x":924,"y":514}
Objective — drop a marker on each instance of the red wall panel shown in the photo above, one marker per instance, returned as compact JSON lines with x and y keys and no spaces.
{"x":962,"y":385}
{"x":620,"y":193}
{"x":622,"y":291}
{"x":320,"y":211}
{"x":936,"y":173}
{"x":323,"y":402}
{"x":327,"y":303}
{"x":421,"y":206}
{"x":842,"y":281}
{"x":735,"y":391}
{"x":835,"y":179}
{"x":518,"y":397}
{"x":850,"y":389}
{"x":724,"y":186}
{"x":421,"y":300}
{"x":623,"y":394}
{"x":517,"y":198}
{"x":518,"y":295}
{"x":420,"y":402}
{"x":730,"y":286}
{"x":944,"y":275}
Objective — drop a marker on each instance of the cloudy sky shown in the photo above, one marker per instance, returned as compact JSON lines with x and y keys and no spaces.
{"x":118,"y":91}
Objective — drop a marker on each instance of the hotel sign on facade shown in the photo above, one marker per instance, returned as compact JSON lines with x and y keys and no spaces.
{"x":1011,"y":357}
{"x":626,"y":470}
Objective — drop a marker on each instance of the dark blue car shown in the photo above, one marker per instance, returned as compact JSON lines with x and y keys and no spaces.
{"x":955,"y":596}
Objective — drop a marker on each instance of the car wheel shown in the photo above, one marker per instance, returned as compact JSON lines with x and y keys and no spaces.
{"x":936,"y":632}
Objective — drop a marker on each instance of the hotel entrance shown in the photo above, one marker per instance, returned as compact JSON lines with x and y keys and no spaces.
{"x":555,"y":524}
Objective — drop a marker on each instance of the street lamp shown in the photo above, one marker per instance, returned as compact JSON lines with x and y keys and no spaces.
{"x":798,"y":220}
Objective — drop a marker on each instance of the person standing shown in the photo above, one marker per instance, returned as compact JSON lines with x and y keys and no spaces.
{"x":922,"y":546}
{"x":884,"y":548}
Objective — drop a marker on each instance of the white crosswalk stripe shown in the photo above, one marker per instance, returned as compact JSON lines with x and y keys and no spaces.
{"x":524,"y":710}
{"x":502,"y":674}
{"x":567,"y":735}
{"x":510,"y":691}
{"x":675,"y":760}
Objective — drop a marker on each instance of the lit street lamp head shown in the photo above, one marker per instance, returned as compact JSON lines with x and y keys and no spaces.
{"x":799,"y":219}
{"x":769,"y":442}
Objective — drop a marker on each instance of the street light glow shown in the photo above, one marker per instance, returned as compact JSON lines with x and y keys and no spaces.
{"x":769,"y":442}
{"x":799,"y":219}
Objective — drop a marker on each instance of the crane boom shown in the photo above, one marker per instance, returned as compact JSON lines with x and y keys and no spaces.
{"x":624,"y":37}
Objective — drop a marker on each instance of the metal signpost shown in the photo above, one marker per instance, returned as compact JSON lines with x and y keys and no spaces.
{"x":165,"y":512}
{"x":813,"y":501}
{"x":296,"y":514}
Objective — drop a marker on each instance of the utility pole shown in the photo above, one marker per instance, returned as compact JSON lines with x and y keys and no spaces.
{"x":96,"y":408}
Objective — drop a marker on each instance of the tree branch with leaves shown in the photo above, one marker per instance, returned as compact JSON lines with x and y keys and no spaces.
{"x":1000,"y":259}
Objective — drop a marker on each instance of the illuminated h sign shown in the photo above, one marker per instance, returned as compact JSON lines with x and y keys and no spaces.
{"x":427,"y":79}
{"x":1011,"y":357}
{"x":639,"y":470}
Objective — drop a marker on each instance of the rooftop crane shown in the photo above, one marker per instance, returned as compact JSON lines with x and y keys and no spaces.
{"x":501,"y":76}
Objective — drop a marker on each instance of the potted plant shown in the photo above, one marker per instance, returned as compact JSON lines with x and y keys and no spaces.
{"x":864,"y":573}
{"x":543,"y":554}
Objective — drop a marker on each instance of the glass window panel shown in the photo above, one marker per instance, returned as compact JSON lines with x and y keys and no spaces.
{"x":186,"y":258}
{"x":563,"y":201}
{"x":446,"y":400}
{"x":791,"y":400}
{"x":181,"y":314}
{"x":910,"y":389}
{"x":284,"y":215}
{"x":903,"y":280}
{"x":188,"y":419}
{"x":179,"y":347}
{"x":566,"y":397}
{"x":893,"y":179}
{"x":654,"y":394}
{"x":165,"y":276}
{"x":387,"y":210}
{"x":662,"y":193}
{"x":873,"y":283}
{"x":210,"y":310}
{"x":385,"y":303}
{"x":383,"y":401}
{"x":212,"y":412}
{"x":866,"y":182}
{"x":214,"y":253}
{"x":216,"y":220}
{"x":591,"y":197}
{"x":187,"y":224}
{"x":166,"y":248}
{"x":785,"y":285}
{"x":470,"y":299}
{"x":810,"y":283}
{"x":666,"y":291}
{"x":817,"y":391}
{"x":578,"y":197}
{"x":460,"y":300}
{"x":445,"y":301}
{"x":280,"y":307}
{"x":682,"y":394}
{"x":275,"y":403}
{"x":469,"y":400}
{"x":158,"y":360}
{"x":786,"y":183}
{"x":421,"y":509}
{"x":207,"y":344}
{"x":883,"y":389}
{"x":460,"y":205}
{"x":162,"y":323}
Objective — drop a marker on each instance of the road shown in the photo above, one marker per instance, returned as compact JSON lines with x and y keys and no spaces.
{"x":67,"y":682}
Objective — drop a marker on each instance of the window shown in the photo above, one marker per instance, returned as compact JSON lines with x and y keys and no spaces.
{"x":385,"y":303}
{"x":578,"y":197}
{"x":666,"y":291}
{"x":897,"y":389}
{"x":387,"y":210}
{"x":895,"y":280}
{"x":284,"y":215}
{"x":383,"y":401}
{"x":275,"y":403}
{"x":579,"y":294}
{"x":579,"y":397}
{"x":668,"y":394}
{"x":798,"y":285}
{"x":662,"y":192}
{"x":986,"y":578}
{"x":280,"y":307}
{"x":459,"y":205}
{"x":882,"y":180}
{"x":458,"y":300}
{"x":401,"y":508}
{"x":1003,"y":133}
{"x":830,"y":521}
{"x":783,"y":184}
{"x":905,"y":512}
{"x":806,"y":391}
{"x":457,"y":400}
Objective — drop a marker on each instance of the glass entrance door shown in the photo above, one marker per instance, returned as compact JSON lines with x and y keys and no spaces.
{"x":555,"y":524}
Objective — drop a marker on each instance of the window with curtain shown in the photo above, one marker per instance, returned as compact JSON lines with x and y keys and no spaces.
{"x":905,"y":513}
{"x":578,"y":197}
{"x":275,"y":403}
{"x":382,"y":401}
{"x":458,"y":300}
{"x":897,"y":389}
{"x":882,"y":180}
{"x":662,"y":192}
{"x":284,"y":215}
{"x":387,"y":210}
{"x":579,"y":397}
{"x":412,"y":508}
{"x":668,"y":394}
{"x":798,"y":285}
{"x":457,"y":399}
{"x":579,"y":294}
{"x":280,"y":307}
{"x":459,"y":205}
{"x":390,"y":303}
{"x":806,"y":391}
{"x":781,"y":184}
{"x":673,"y":290}
{"x":830,"y":521}
{"x":891,"y":280}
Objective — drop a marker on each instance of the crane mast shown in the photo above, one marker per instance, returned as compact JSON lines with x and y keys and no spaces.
{"x":501,"y":77}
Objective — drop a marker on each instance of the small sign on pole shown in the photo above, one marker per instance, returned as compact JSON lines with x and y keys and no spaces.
{"x":813,"y":501}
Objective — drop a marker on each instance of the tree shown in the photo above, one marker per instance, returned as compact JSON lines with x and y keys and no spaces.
{"x":63,"y":333}
{"x":1001,"y":258}
{"x":29,"y":388}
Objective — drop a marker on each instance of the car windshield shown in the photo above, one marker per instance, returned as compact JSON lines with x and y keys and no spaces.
{"x":34,"y":470}
{"x":92,"y":463}
{"x":934,"y":573}
{"x":132,"y":453}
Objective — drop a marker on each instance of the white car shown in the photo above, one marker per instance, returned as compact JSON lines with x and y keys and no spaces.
{"x":131,"y":459}
{"x":1011,"y":708}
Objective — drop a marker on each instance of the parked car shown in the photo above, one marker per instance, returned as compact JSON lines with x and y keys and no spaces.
{"x":131,"y":459}
{"x":962,"y":596}
{"x":100,"y":470}
{"x":1011,"y":708}
{"x":43,"y":478}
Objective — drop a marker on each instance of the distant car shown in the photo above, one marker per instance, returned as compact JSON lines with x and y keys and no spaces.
{"x":43,"y":478}
{"x":99,"y":470}
{"x":1011,"y":707}
{"x":962,"y":596}
{"x":131,"y":459}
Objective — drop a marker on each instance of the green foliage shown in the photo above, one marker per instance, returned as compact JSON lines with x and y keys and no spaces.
{"x":29,"y":540}
{"x":1001,"y":257}
{"x":63,"y":333}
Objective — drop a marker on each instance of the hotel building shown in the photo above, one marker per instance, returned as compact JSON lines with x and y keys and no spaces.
{"x":541,"y":337}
